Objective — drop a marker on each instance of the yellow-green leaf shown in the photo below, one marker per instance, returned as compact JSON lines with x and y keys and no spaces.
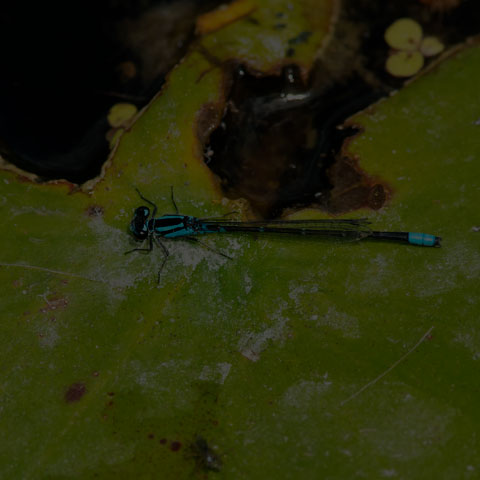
{"x":404,"y":64}
{"x":431,"y":46}
{"x":121,"y":113}
{"x":404,"y":34}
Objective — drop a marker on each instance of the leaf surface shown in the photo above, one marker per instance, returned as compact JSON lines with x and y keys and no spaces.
{"x":317,"y":358}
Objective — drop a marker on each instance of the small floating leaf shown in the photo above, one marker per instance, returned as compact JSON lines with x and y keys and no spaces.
{"x":404,"y":64}
{"x":431,"y":46}
{"x":404,"y":34}
{"x":121,"y":113}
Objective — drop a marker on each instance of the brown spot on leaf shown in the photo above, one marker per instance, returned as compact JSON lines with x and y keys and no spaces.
{"x":376,"y":197}
{"x":95,"y":211}
{"x":163,"y":441}
{"x":353,"y":188}
{"x":175,"y":446}
{"x":75,"y":392}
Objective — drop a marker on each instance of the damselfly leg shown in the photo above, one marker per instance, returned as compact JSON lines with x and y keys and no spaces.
{"x":152,"y":238}
{"x":173,"y":199}
{"x":147,"y":250}
{"x":155,"y":208}
{"x":148,"y":201}
{"x":166,"y":253}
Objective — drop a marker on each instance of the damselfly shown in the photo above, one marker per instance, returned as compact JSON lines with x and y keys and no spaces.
{"x":147,"y":226}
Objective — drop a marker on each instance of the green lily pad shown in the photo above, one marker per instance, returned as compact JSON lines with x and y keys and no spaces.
{"x":278,"y":33}
{"x":431,"y":46}
{"x":404,"y":34}
{"x":121,"y":113}
{"x":297,"y":359}
{"x":404,"y":64}
{"x":424,"y":142}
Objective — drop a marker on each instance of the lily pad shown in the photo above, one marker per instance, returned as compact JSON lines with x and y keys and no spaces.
{"x":404,"y":64}
{"x":424,"y":141}
{"x":404,"y":34}
{"x":278,"y":33}
{"x":322,"y":359}
{"x":121,"y":113}
{"x":431,"y":46}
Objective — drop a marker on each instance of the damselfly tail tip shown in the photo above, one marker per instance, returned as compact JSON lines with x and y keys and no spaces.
{"x":437,"y":242}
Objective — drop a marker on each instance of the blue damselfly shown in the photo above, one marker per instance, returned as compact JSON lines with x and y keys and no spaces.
{"x":147,"y":226}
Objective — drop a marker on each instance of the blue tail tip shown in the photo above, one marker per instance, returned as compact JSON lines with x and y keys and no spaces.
{"x":424,"y":239}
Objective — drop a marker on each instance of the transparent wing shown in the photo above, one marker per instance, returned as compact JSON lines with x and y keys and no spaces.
{"x":345,"y":228}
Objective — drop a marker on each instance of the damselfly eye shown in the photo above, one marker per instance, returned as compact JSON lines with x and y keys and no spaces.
{"x":141,"y":212}
{"x":139,"y":226}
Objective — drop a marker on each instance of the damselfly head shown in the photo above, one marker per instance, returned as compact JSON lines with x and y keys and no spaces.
{"x":139,"y":224}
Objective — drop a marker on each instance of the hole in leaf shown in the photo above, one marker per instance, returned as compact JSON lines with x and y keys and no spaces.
{"x":277,"y":144}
